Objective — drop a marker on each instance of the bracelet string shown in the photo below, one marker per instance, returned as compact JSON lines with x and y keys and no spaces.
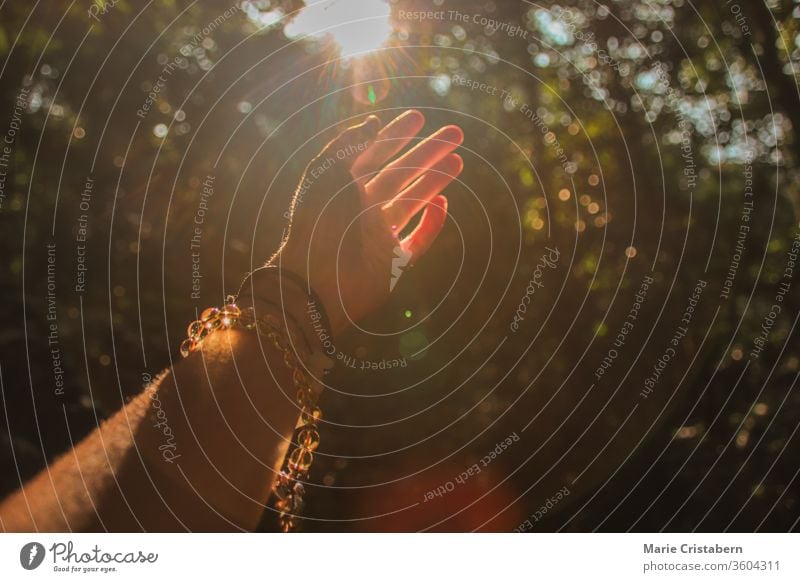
{"x":298,"y":281}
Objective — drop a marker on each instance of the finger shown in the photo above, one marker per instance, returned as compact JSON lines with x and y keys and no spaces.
{"x":414,"y":198}
{"x":391,"y":139}
{"x":430,"y":225}
{"x":408,"y":167}
{"x":352,"y":142}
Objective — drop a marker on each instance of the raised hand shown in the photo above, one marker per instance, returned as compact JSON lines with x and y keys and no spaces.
{"x":354,"y":201}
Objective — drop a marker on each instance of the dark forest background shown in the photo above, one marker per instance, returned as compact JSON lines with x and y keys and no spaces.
{"x":714,"y":447}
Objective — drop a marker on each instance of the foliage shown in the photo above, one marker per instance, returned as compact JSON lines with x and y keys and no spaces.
{"x":620,"y":133}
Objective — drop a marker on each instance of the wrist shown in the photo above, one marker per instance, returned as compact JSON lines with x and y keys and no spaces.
{"x":283,"y":296}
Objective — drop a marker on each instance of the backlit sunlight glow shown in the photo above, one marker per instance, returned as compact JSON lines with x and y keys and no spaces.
{"x":357,"y":26}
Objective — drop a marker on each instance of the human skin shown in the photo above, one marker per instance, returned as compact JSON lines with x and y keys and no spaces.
{"x":229,"y":406}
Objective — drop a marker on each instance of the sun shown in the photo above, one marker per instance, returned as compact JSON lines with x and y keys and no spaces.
{"x":357,"y":26}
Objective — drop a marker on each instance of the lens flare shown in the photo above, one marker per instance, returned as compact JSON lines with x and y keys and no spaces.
{"x":357,"y":26}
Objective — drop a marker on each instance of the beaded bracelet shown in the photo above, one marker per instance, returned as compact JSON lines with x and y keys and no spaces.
{"x":288,"y":488}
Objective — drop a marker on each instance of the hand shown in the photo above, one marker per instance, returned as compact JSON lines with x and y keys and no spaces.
{"x":353,"y":203}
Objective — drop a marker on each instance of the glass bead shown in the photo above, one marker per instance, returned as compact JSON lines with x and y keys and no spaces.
{"x":231,"y":311}
{"x":187,"y":347}
{"x":300,"y":460}
{"x":283,"y":478}
{"x":311,"y":415}
{"x":306,"y":387}
{"x":288,"y":523}
{"x":281,"y":490}
{"x":308,"y":437}
{"x":209,"y":313}
{"x":305,"y":398}
{"x":194,"y":328}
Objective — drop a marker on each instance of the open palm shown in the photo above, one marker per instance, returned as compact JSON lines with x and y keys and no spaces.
{"x":354,"y":201}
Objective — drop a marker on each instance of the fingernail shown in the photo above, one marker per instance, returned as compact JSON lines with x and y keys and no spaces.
{"x":452,"y":133}
{"x":409,"y":113}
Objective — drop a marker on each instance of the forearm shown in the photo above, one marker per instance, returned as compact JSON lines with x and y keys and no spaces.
{"x":197,"y":450}
{"x":201,"y":449}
